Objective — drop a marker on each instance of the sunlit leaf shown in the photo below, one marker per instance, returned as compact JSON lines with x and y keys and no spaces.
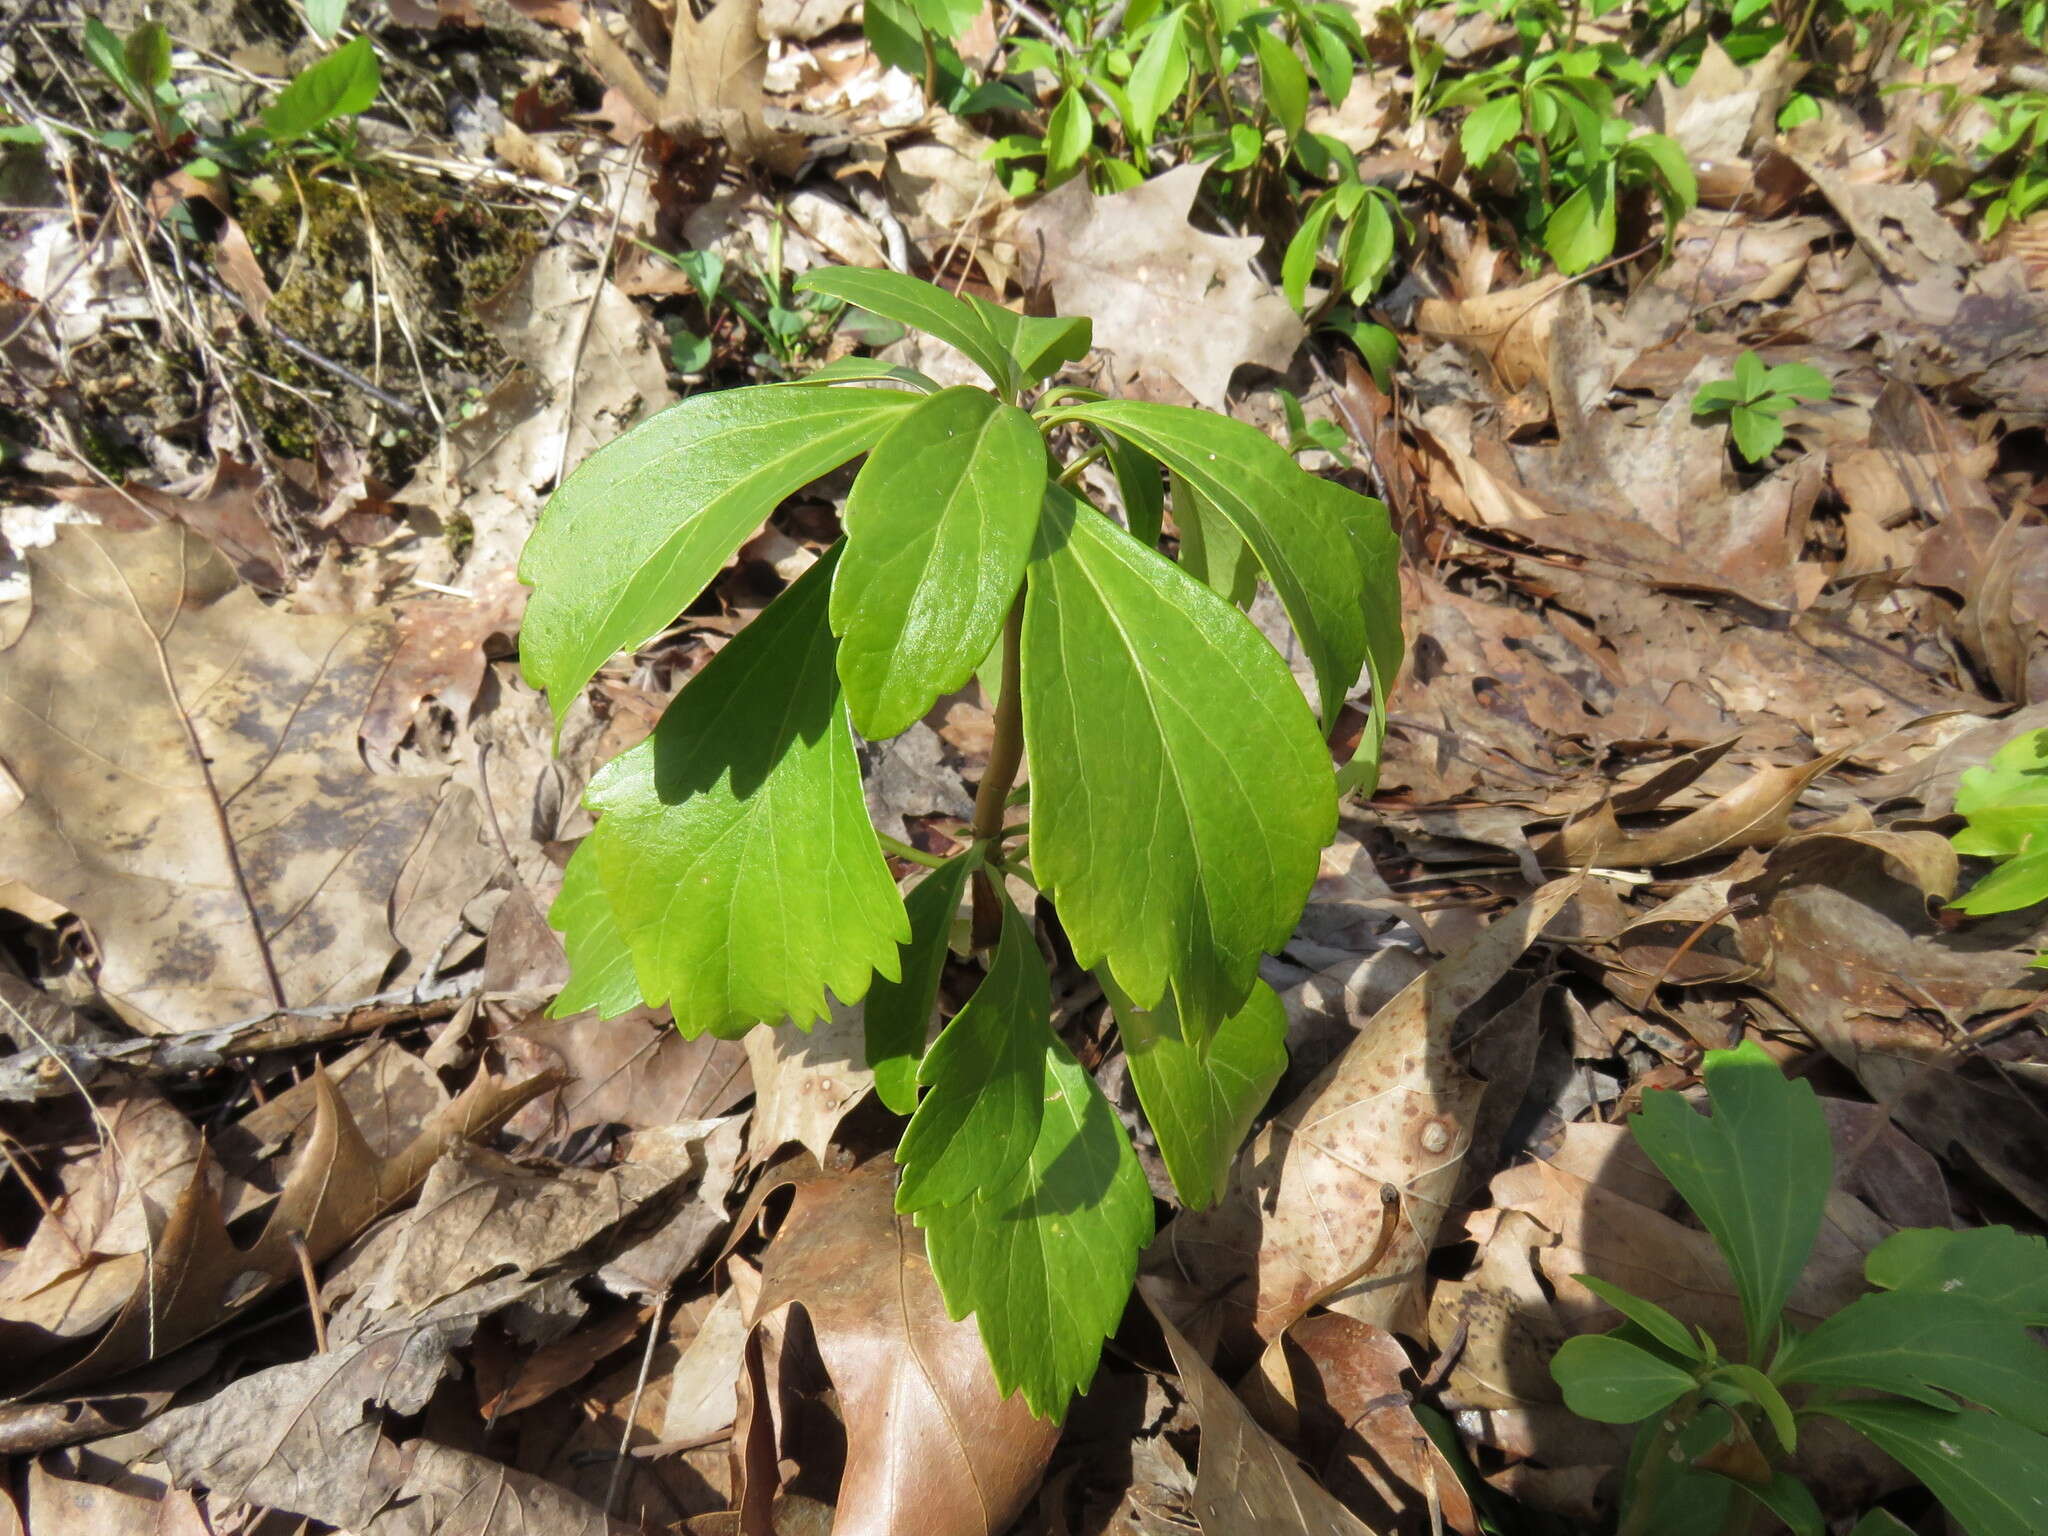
{"x":938,"y":527}
{"x":1300,"y":540}
{"x":1179,"y":791}
{"x":644,"y":523}
{"x":931,"y":310}
{"x":601,"y":978}
{"x":734,"y":844}
{"x":338,"y":86}
{"x":1200,"y":1104}
{"x":1931,"y":1347}
{"x":1046,"y":1264}
{"x":984,"y":1080}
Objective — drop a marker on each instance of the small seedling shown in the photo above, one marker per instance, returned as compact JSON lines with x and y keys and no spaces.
{"x":1755,"y":400}
{"x":1180,"y":786}
{"x":2006,"y":805}
{"x":1936,"y":1365}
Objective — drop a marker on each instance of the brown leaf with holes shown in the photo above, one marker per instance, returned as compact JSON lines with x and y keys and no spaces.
{"x":200,"y":803}
{"x":931,"y":1444}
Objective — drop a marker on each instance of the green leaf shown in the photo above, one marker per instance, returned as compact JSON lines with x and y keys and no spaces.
{"x":1199,"y":1105}
{"x":601,"y":978}
{"x":2018,"y":883}
{"x":1284,"y":81}
{"x":1792,"y":1502}
{"x":734,"y":842}
{"x":338,"y":86}
{"x":1757,"y":433}
{"x":1614,"y":1381}
{"x":948,"y":18}
{"x":1179,"y":792}
{"x":1930,"y":1347}
{"x":1378,"y":551}
{"x":1714,"y":396}
{"x":1046,"y":1264}
{"x":1985,"y":1470}
{"x":1068,"y":133}
{"x":931,"y":310}
{"x":1758,"y":1388}
{"x":325,"y":17}
{"x":893,"y":30}
{"x":106,"y":52}
{"x":1674,"y":173}
{"x":2006,"y":799}
{"x":1143,"y":489}
{"x":1380,"y":348}
{"x":868,"y":370}
{"x":1367,"y":251}
{"x":1159,"y":75}
{"x":1299,"y":539}
{"x":1648,"y":1316}
{"x":1801,"y":381}
{"x":1211,"y":549}
{"x":1298,"y":265}
{"x":1581,"y":232}
{"x":645,"y":522}
{"x":1994,"y":1265}
{"x":1751,"y":377}
{"x":1756,"y":1174}
{"x":147,"y":54}
{"x":1878,"y":1522}
{"x":938,"y":527}
{"x":984,"y":1079}
{"x":1039,"y":345}
{"x":1488,"y":127}
{"x":898,"y":1014}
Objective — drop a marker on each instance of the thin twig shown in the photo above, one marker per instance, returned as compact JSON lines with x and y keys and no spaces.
{"x":633,"y":1408}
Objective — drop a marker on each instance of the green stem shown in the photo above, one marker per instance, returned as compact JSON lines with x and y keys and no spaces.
{"x":903,"y":850}
{"x":1005,"y":757}
{"x":1072,"y":472}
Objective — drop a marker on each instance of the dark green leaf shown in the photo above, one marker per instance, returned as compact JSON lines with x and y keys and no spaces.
{"x":898,"y":1014}
{"x":984,"y":1080}
{"x":938,"y":527}
{"x":895,"y":33}
{"x":1298,"y":265}
{"x":931,"y":310}
{"x":734,"y":843}
{"x":948,"y":18}
{"x":601,"y":978}
{"x":1201,"y":1105}
{"x":1380,"y":348}
{"x":1182,"y":850}
{"x":1758,"y":1388}
{"x":1930,"y":1347}
{"x":148,"y":56}
{"x":1756,"y":1173}
{"x":338,"y":86}
{"x":1667,"y":162}
{"x":1791,"y":1501}
{"x":644,"y":523}
{"x":1994,"y":1265}
{"x":1367,"y":251}
{"x":1211,"y":549}
{"x":1378,"y":552}
{"x":1880,"y":1522}
{"x":868,"y":370}
{"x":1985,"y":1470}
{"x":1648,"y":1316}
{"x":1046,"y":1264}
{"x":1143,"y":488}
{"x":1298,"y":537}
{"x":1614,"y":1381}
{"x":106,"y":52}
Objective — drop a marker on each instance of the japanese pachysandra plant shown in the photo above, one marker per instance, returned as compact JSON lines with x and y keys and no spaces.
{"x":1179,"y":790}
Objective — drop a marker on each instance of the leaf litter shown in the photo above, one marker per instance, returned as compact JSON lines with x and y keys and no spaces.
{"x":312,"y":1208}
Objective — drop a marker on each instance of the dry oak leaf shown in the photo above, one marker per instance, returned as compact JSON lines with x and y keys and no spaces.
{"x":1169,"y":301}
{"x":192,"y":785}
{"x":1246,"y":1483}
{"x":194,"y":1278}
{"x":62,"y":1506}
{"x":1306,"y":1214}
{"x":931,"y":1444}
